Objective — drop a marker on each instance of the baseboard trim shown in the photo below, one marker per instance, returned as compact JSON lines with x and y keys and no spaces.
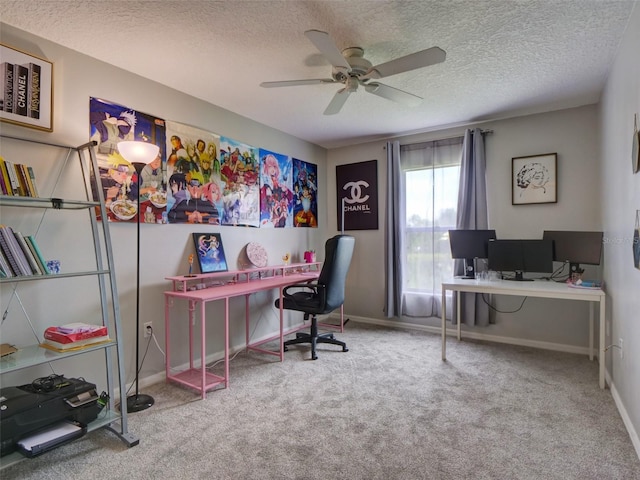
{"x":474,"y":335}
{"x":633,"y":434}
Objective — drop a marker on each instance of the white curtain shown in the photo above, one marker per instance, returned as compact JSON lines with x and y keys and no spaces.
{"x":421,"y":204}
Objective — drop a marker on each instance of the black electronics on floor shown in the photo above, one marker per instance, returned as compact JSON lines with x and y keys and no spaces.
{"x":46,"y":401}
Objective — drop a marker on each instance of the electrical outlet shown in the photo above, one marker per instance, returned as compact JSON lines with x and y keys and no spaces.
{"x":148,"y":329}
{"x":621,"y":343}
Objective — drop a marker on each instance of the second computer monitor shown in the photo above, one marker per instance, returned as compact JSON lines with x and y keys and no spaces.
{"x":468,"y":245}
{"x":575,"y":247}
{"x":520,"y":257}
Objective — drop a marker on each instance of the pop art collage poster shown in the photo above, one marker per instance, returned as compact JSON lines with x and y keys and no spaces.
{"x":199,"y":177}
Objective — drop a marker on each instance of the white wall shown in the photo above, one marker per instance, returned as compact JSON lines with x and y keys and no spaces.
{"x":573,"y":135}
{"x":165,"y":247}
{"x":620,"y":200}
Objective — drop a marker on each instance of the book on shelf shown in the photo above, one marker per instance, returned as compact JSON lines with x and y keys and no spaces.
{"x":32,"y":182}
{"x":14,"y":252}
{"x":7,"y":253}
{"x":79,"y":345}
{"x":33,"y":264}
{"x":21,"y":254}
{"x":22,"y":185}
{"x":33,"y":245}
{"x":5,"y":183}
{"x":7,"y":271}
{"x":13,"y":180}
{"x":17,"y":179}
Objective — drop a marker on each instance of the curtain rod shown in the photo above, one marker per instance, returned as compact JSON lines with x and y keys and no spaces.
{"x":484,"y":132}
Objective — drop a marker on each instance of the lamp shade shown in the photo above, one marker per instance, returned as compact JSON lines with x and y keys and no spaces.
{"x":138,"y":152}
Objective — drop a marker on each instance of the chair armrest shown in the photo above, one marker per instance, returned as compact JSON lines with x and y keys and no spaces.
{"x":314,"y":287}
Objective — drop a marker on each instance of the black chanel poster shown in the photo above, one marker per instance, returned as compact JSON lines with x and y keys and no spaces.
{"x":357,"y":193}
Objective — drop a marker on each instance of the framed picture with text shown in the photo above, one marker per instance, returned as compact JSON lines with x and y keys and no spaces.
{"x":357,"y":196}
{"x":210,"y":252}
{"x":534,"y":179}
{"x":26,"y":98}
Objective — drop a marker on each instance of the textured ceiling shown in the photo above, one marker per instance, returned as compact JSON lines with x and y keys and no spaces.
{"x":504,"y":57}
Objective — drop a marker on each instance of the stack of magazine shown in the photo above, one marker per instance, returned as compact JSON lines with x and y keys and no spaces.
{"x":74,"y":336}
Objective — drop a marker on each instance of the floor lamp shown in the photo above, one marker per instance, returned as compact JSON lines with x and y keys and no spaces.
{"x":138,"y":154}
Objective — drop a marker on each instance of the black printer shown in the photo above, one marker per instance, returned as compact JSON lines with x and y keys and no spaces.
{"x":27,"y":408}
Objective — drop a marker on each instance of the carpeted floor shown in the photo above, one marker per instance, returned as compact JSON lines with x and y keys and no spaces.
{"x":387,"y":409}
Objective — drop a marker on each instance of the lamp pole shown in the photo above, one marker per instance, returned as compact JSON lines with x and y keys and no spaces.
{"x":138,"y":154}
{"x":138,"y":401}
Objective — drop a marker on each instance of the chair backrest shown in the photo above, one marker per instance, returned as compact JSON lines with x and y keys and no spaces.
{"x":337,"y":258}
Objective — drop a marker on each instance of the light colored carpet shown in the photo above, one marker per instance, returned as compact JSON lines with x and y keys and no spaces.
{"x":387,"y":409}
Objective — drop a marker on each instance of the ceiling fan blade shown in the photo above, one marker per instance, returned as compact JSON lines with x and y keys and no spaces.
{"x":421,"y":59}
{"x":337,"y":101}
{"x":293,"y":83}
{"x":393,"y":94}
{"x":328,"y":48}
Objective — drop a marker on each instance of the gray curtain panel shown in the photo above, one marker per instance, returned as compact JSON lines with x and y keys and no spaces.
{"x":472,"y":215}
{"x":393,"y":237}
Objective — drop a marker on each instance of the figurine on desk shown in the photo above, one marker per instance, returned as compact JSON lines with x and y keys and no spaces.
{"x":190,"y":266}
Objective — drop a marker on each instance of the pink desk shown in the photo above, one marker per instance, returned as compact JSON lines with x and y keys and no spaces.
{"x":237,"y":283}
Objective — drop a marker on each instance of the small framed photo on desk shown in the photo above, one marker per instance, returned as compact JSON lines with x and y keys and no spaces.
{"x":210,"y":252}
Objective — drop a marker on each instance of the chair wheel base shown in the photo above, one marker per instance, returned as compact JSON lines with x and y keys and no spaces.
{"x":313,"y":339}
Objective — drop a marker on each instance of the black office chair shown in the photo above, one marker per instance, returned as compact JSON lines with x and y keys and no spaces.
{"x":324,"y":295}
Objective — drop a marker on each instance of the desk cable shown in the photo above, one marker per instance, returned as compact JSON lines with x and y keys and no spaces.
{"x":613,"y":345}
{"x":503,"y":311}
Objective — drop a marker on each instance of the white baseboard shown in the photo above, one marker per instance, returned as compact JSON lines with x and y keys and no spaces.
{"x":635,"y":439}
{"x":633,"y":434}
{"x":474,"y":335}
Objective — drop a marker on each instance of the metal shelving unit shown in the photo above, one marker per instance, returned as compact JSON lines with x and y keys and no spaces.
{"x":112,"y":417}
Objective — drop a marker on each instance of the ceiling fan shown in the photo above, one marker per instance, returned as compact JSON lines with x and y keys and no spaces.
{"x":351,"y":69}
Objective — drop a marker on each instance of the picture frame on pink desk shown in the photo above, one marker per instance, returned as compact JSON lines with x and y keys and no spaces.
{"x":210,"y":252}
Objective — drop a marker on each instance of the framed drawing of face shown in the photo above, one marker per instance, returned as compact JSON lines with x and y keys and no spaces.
{"x":534,"y":179}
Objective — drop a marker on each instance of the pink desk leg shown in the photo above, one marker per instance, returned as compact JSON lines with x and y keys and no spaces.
{"x":191,"y":323}
{"x":203,"y":358}
{"x":281,"y":326}
{"x":246,"y":319}
{"x":166,"y":336}
{"x":226,"y":342}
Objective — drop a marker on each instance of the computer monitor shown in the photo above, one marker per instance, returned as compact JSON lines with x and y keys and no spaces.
{"x":575,"y":247}
{"x":520,"y":257}
{"x":468,"y":245}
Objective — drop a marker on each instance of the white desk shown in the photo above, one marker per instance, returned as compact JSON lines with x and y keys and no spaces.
{"x":537,"y":288}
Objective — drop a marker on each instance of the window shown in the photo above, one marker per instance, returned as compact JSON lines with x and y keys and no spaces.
{"x":430,"y":178}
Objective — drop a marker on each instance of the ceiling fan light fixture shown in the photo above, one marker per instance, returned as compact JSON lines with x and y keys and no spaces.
{"x":351,"y":69}
{"x":352,"y":84}
{"x":372,"y":87}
